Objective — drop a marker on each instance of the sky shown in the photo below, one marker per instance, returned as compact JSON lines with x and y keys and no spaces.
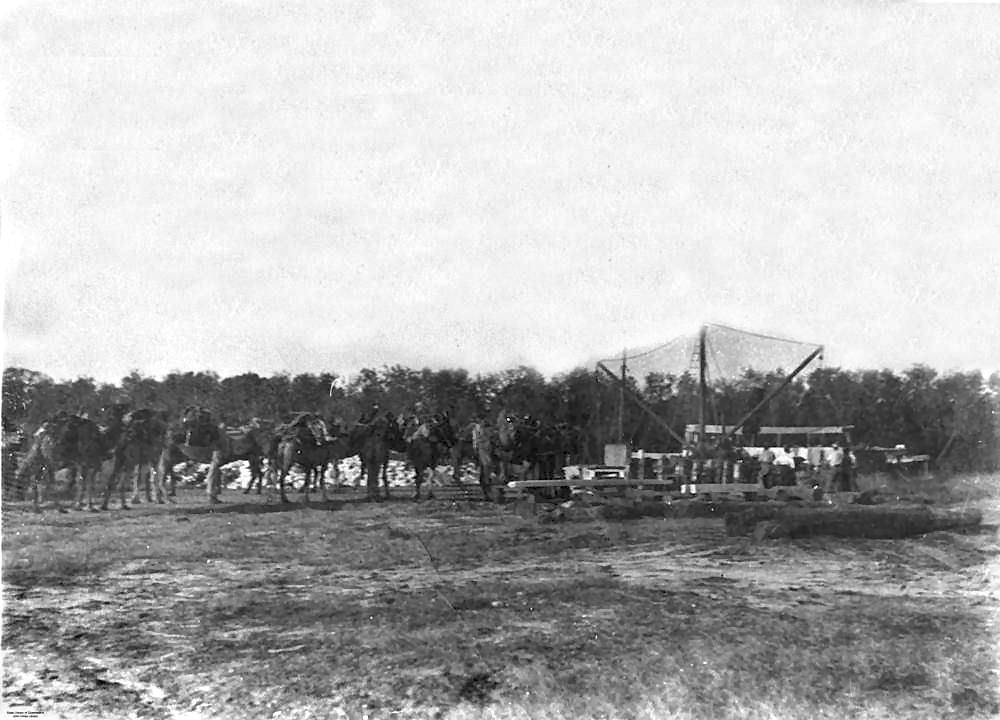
{"x":320,"y":187}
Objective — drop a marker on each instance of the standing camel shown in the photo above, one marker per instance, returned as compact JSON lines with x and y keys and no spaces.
{"x":194,"y":437}
{"x":71,"y":442}
{"x":431,"y":442}
{"x":138,"y":447}
{"x":298,"y":446}
{"x":252,"y":442}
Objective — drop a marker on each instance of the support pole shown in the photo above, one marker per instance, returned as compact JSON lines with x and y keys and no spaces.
{"x":773,"y":393}
{"x":621,"y":403}
{"x":702,"y":389}
{"x":642,"y":404}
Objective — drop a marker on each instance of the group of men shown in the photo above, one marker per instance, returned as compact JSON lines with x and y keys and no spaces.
{"x":839,"y":462}
{"x":777,"y":466}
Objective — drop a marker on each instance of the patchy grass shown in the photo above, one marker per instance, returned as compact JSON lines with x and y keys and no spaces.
{"x":465,"y":610}
{"x":964,"y":489}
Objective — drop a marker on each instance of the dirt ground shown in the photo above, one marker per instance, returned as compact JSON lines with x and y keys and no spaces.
{"x":459,"y":608}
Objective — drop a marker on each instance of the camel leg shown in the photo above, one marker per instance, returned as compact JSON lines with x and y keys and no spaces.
{"x":121,"y":483}
{"x":306,"y":486}
{"x":484,"y":478}
{"x":255,"y":472}
{"x":213,"y":480}
{"x":90,"y":480}
{"x":163,"y":471}
{"x":85,"y":480}
{"x":282,"y":472}
{"x":249,"y":487}
{"x":160,"y":473}
{"x":36,"y":488}
{"x":322,"y":481}
{"x":80,"y":480}
{"x":55,"y":495}
{"x":264,"y":475}
{"x":335,"y":466}
{"x":81,"y":487}
{"x":156,"y":481}
{"x":272,"y":473}
{"x":371,"y":481}
{"x":136,"y":478}
{"x":109,"y":486}
{"x":95,"y":473}
{"x":147,"y":481}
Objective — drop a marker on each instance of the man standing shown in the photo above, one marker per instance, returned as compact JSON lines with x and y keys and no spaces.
{"x":847,"y":471}
{"x":785,"y":464}
{"x":836,"y":461}
{"x":766,"y":460}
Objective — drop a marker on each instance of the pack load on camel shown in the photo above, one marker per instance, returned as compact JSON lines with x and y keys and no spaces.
{"x":313,"y":444}
{"x":306,"y":426}
{"x":426,"y":443}
{"x":198,"y":428}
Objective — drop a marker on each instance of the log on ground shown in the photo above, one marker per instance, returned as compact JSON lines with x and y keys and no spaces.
{"x":771,"y":521}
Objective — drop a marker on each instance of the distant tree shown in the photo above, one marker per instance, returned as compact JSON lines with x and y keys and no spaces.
{"x":143,"y":391}
{"x":27,"y":397}
{"x":954,"y":417}
{"x":242,"y":397}
{"x":521,"y":390}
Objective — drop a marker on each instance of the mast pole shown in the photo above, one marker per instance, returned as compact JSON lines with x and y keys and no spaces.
{"x":702,"y":388}
{"x":621,"y":403}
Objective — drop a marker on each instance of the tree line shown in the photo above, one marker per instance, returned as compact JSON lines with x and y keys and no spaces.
{"x":954,"y":417}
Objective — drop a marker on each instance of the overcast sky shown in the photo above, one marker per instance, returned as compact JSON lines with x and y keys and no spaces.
{"x":313,"y":187}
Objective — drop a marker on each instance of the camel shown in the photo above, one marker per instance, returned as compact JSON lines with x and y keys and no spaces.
{"x":71,"y":442}
{"x":298,"y":445}
{"x":431,"y":441}
{"x":194,"y":437}
{"x":138,"y":448}
{"x":252,"y":442}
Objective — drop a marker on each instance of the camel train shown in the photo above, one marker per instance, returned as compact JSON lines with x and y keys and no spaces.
{"x":145,"y":445}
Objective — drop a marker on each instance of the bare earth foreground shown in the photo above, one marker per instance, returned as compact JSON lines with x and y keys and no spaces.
{"x":459,"y":609}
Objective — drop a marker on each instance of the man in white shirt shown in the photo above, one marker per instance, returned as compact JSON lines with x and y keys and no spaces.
{"x":836,"y":462}
{"x":766,"y":459}
{"x":786,"y":466}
